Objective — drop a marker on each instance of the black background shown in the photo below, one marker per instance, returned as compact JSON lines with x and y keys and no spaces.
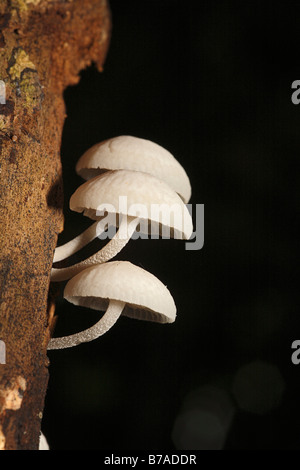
{"x":211,"y":82}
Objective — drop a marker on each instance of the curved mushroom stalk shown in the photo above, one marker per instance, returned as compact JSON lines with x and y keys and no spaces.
{"x":110,"y":317}
{"x":74,"y":245}
{"x":109,"y":251}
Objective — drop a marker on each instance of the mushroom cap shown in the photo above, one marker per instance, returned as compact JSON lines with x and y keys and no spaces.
{"x":159,"y":202}
{"x":133,"y":153}
{"x":146,"y":296}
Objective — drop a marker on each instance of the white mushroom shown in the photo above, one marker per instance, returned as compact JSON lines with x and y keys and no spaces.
{"x":117,"y":287}
{"x":43,"y":444}
{"x":133,"y":153}
{"x":136,"y":197}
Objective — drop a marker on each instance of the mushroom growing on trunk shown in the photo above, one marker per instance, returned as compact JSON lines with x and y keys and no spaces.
{"x":118,"y":288}
{"x":133,"y":153}
{"x":137,"y":199}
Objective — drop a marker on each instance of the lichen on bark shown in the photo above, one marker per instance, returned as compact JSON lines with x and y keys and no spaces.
{"x":44,"y":44}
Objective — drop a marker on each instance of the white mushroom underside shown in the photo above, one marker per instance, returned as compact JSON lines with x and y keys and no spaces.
{"x":131,"y":311}
{"x":149,"y":202}
{"x":124,"y":281}
{"x":135,"y":194}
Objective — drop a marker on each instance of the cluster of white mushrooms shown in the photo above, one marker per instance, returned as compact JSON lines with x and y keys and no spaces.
{"x":147,"y":174}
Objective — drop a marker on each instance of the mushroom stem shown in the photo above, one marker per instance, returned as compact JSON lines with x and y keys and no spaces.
{"x":71,"y":247}
{"x":113,"y":312}
{"x":113,"y":247}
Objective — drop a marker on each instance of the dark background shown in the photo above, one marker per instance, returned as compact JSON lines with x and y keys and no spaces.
{"x":211,"y":82}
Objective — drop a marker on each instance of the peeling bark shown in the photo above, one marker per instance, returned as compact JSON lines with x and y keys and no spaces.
{"x":44,"y":44}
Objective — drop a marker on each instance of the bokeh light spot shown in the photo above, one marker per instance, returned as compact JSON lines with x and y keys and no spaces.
{"x":204,"y":421}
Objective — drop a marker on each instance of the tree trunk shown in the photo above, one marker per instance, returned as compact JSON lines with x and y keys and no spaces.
{"x":44,"y":44}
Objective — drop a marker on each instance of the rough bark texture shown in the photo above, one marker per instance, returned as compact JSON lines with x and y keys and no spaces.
{"x":44,"y":44}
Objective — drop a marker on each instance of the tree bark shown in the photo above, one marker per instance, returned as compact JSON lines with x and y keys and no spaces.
{"x":44,"y":44}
